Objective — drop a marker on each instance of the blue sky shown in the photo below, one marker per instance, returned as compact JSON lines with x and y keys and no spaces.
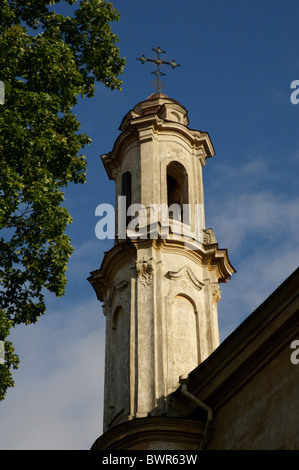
{"x":238,"y":59}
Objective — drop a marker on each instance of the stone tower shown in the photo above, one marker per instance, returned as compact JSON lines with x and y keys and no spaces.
{"x":159,"y":284}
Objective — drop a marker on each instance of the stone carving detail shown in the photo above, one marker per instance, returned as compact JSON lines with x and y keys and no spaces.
{"x":144,"y":268}
{"x":209,"y":237}
{"x":187,"y":272}
{"x":117,"y":287}
{"x":216,"y":292}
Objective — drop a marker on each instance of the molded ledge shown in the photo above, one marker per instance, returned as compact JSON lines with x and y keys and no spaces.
{"x":154,"y":433}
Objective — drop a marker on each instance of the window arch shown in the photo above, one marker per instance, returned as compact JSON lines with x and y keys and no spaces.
{"x":126,"y":190}
{"x":120,"y":360}
{"x":177,"y":186}
{"x":184,"y":321}
{"x":126,"y":186}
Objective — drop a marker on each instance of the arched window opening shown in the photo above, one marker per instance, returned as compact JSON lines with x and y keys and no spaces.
{"x":120,"y":360}
{"x":183,"y":320}
{"x":177,"y":189}
{"x":126,"y":190}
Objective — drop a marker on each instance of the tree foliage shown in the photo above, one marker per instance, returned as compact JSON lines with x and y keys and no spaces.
{"x":48,"y":60}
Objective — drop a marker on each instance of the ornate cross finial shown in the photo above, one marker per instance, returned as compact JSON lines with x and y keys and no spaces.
{"x":158,"y":84}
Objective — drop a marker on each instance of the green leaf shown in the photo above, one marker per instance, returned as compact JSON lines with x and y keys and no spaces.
{"x":48,"y":61}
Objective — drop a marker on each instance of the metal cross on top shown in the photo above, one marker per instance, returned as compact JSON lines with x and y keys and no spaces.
{"x":158,"y":84}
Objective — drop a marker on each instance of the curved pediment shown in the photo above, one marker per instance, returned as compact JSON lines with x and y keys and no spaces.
{"x":187,"y":272}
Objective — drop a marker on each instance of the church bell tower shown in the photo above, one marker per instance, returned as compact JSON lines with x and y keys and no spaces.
{"x":159,"y":284}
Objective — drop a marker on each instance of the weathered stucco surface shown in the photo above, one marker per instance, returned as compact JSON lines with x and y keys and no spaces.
{"x":159,"y":294}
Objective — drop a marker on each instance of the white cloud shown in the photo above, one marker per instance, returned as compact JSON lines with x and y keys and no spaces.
{"x":257,"y":277}
{"x":256,"y":219}
{"x":259,"y":225}
{"x":57,"y":400}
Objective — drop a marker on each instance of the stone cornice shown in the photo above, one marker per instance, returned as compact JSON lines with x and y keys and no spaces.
{"x":114,"y":259}
{"x":210,"y":256}
{"x":143,"y":433}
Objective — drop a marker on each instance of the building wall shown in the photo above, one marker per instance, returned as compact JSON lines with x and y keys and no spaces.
{"x":263,"y":414}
